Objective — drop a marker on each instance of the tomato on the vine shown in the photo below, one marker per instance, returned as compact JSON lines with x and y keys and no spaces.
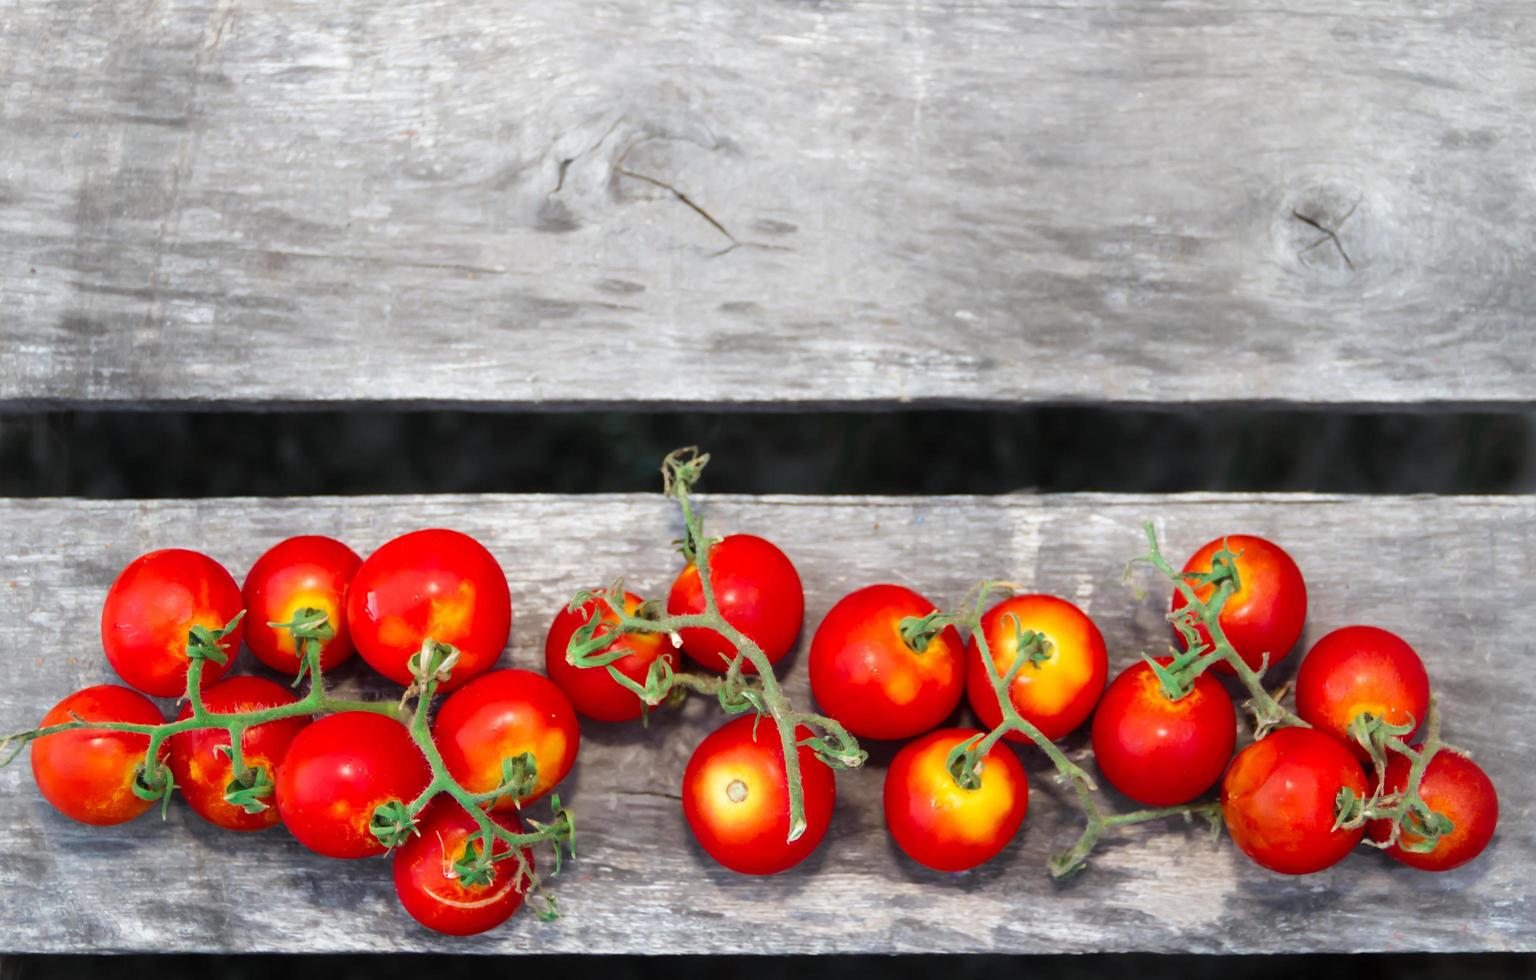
{"x":202,"y":769}
{"x":305,"y":572}
{"x":1280,"y":799}
{"x":1158,"y":751}
{"x":1266,"y":613}
{"x":1358,"y":670}
{"x":337,"y":771}
{"x":152,"y":606}
{"x":431,"y":872}
{"x":736,"y":799}
{"x":866,"y":676}
{"x":434,"y":584}
{"x":499,"y":717}
{"x":88,"y":774}
{"x":757,"y":590}
{"x":942,"y":825}
{"x":593,"y":690}
{"x":1057,"y":689}
{"x":1456,"y":788}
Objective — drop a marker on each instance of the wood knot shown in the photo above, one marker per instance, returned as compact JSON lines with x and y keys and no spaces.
{"x":1322,"y":229}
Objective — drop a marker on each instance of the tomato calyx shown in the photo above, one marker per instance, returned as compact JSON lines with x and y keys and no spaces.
{"x":1412,"y":824}
{"x":155,"y":784}
{"x":392,"y":823}
{"x":250,"y":790}
{"x":206,"y":644}
{"x":311,"y":630}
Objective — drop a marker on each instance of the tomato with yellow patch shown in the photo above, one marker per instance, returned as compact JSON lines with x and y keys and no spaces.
{"x":593,"y":690}
{"x":1057,"y":689}
{"x":736,"y":798}
{"x":867,"y":676}
{"x":1361,"y":670}
{"x":88,"y":774}
{"x":204,"y":772}
{"x":1263,"y":619}
{"x":1158,"y":751}
{"x":305,"y":572}
{"x":151,"y":608}
{"x":430,"y":871}
{"x":943,"y":825}
{"x":499,"y":717}
{"x":434,"y":584}
{"x":338,"y":771}
{"x":1280,"y":800}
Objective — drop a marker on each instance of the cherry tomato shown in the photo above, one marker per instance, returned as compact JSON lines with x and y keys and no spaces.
{"x":942,"y":825}
{"x":337,"y":771}
{"x":306,"y":572}
{"x":1161,"y":752}
{"x":203,"y":772}
{"x":429,"y":883}
{"x":758,"y":592}
{"x":1458,"y":789}
{"x":153,"y":605}
{"x":1280,"y":796}
{"x":501,"y":716}
{"x":1057,"y":693}
{"x":736,"y":800}
{"x":1265,"y":615}
{"x":88,"y":774}
{"x":593,"y":690}
{"x":864,"y":675}
{"x":1361,"y":670}
{"x":433,"y":584}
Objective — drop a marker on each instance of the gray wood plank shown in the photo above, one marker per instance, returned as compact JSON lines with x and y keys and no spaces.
{"x":565,"y":204}
{"x":1450,"y":574}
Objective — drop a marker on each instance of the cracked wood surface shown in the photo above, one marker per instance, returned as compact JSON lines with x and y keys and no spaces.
{"x":577,"y":204}
{"x":1449,"y":574}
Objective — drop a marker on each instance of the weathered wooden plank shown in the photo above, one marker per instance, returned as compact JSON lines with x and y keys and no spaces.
{"x":566,"y":203}
{"x":1450,"y":574}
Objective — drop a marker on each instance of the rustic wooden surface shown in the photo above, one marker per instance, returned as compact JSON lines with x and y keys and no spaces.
{"x":567,"y":203}
{"x":1450,"y":574}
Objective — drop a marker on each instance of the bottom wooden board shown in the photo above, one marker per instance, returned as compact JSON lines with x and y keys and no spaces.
{"x":1452,"y":575}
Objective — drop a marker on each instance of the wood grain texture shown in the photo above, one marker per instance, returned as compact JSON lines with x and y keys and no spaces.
{"x":1450,"y":574}
{"x":572,"y":203}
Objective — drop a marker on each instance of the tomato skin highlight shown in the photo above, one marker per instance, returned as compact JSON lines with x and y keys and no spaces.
{"x":424,"y":863}
{"x":1456,"y":787}
{"x":1361,"y":669}
{"x":592,"y":690}
{"x":736,"y":800}
{"x":1161,"y":752}
{"x":1266,"y":614}
{"x":337,"y":771}
{"x":942,"y":825}
{"x":758,"y":592}
{"x":202,"y":770}
{"x":1056,"y":695}
{"x":865,"y":676}
{"x":433,"y":584}
{"x":502,"y":715}
{"x":308,"y":571}
{"x":1279,"y":799}
{"x":151,"y":607}
{"x":87,"y":775}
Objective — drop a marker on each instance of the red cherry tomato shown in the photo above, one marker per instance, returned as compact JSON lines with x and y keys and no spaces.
{"x":942,"y":825}
{"x":1361,"y":670}
{"x":337,"y":771}
{"x":153,"y":605}
{"x":1458,"y":789}
{"x":428,"y":881}
{"x":433,"y":584}
{"x":1057,"y":693}
{"x":306,"y":572}
{"x":593,"y":690}
{"x":864,"y":675}
{"x":1161,"y":752}
{"x":758,"y":592}
{"x":736,"y":800}
{"x":1280,"y":796}
{"x":501,"y":716}
{"x":1265,"y":615}
{"x":203,"y":772}
{"x":88,"y":774}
